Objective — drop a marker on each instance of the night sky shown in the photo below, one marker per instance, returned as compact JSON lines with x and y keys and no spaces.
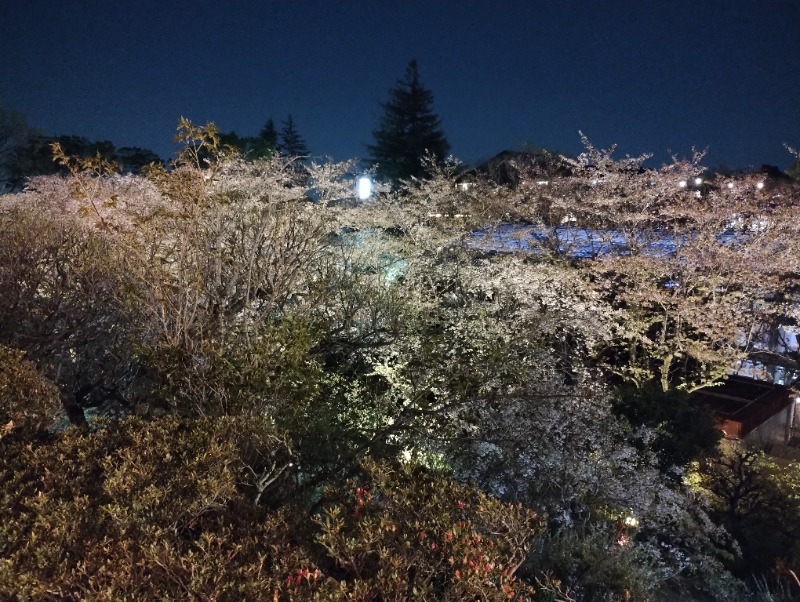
{"x":648,"y":75}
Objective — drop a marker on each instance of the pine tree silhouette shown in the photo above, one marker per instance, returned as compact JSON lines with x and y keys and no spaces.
{"x":407,"y":130}
{"x":291,"y":143}
{"x":269,"y":135}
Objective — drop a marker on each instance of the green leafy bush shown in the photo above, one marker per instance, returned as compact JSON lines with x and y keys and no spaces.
{"x":164,"y":509}
{"x":27,"y":400}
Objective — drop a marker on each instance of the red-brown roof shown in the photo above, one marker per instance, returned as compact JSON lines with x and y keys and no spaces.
{"x":743,"y":404}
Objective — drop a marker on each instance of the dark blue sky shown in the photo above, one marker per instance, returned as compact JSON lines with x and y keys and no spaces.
{"x":647,"y":75}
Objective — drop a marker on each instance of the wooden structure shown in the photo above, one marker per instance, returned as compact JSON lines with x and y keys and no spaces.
{"x":751,"y":410}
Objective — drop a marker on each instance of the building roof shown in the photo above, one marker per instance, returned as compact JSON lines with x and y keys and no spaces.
{"x":743,"y":404}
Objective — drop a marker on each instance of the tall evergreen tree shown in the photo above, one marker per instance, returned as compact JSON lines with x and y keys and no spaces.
{"x":291,"y":143}
{"x":269,"y":135}
{"x":407,"y":129}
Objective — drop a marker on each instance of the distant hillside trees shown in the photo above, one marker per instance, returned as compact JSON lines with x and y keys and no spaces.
{"x":14,"y":132}
{"x":287,"y":142}
{"x":407,"y":130}
{"x":32,"y":155}
{"x":133,"y":158}
{"x":250,"y":147}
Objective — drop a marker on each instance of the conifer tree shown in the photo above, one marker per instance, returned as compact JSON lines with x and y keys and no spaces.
{"x":407,"y":130}
{"x":269,"y":134}
{"x":291,"y":142}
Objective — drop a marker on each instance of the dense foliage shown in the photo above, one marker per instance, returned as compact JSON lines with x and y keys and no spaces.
{"x":455,"y":390}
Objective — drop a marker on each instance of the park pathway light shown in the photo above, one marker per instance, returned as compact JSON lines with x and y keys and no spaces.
{"x":364,"y":188}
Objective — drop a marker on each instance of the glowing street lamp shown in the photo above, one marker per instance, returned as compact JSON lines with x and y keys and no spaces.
{"x":364,"y":188}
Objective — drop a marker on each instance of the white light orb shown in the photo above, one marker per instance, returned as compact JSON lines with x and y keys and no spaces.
{"x":364,"y":188}
{"x":682,"y":184}
{"x":730,"y":185}
{"x":760,"y":185}
{"x":698,"y":181}
{"x":631,"y":521}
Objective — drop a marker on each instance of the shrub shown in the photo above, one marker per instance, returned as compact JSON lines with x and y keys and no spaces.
{"x":27,"y":400}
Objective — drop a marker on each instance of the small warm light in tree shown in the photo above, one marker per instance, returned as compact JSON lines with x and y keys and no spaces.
{"x":698,"y":181}
{"x":760,"y":185}
{"x":364,"y":188}
{"x":682,"y":184}
{"x":631,"y":521}
{"x":730,"y":185}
